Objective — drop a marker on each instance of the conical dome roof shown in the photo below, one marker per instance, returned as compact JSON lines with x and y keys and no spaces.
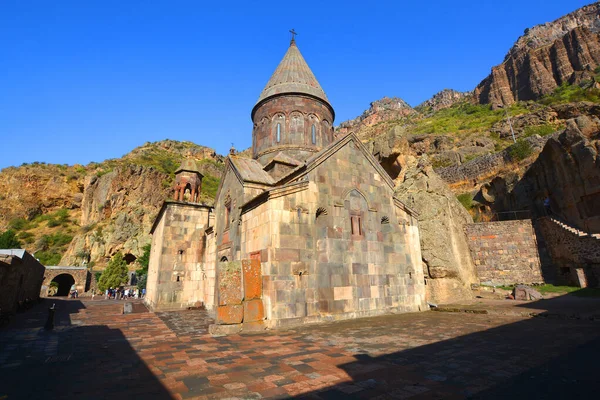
{"x":188,"y":165}
{"x":293,"y":76}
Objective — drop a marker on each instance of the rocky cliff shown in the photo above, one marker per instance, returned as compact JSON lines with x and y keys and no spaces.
{"x":447,"y":263}
{"x":385,"y":109}
{"x":117,"y":211}
{"x":444,"y":99}
{"x":69,"y":215}
{"x":567,"y":172}
{"x":546,"y":56}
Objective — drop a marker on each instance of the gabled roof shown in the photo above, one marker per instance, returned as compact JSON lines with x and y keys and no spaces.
{"x":250,"y":170}
{"x":333,"y":148}
{"x":293,"y":76}
{"x":283,"y":158}
{"x":188,"y":165}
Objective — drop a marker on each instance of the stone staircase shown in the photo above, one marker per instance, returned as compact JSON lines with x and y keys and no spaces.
{"x":575,"y":231}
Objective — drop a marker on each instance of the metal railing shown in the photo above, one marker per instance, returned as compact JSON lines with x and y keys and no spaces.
{"x":511,"y":215}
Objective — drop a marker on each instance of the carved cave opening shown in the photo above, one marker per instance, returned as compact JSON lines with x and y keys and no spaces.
{"x":129,"y":258}
{"x":391,"y":165}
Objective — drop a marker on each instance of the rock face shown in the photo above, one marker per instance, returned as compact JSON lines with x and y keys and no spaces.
{"x":395,"y":148}
{"x":117,"y":212}
{"x":524,"y":292}
{"x":567,"y":171}
{"x":444,"y":99}
{"x":385,"y":109}
{"x":37,"y":188}
{"x":472,"y":174}
{"x":564,"y":51}
{"x":444,"y":247}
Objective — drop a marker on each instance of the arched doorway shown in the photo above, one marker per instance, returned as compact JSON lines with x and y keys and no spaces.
{"x":64,"y":281}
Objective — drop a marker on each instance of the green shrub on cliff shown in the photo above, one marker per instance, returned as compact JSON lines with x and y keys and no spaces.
{"x":464,"y":117}
{"x":520,"y":150}
{"x":8,"y":240}
{"x":466,"y":200}
{"x":567,"y":93}
{"x":19,"y":224}
{"x":210,"y":184}
{"x":48,"y":257}
{"x":542,"y":130}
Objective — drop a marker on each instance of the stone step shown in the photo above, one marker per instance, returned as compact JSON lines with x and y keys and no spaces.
{"x":574,"y":231}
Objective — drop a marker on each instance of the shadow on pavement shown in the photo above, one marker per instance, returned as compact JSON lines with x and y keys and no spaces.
{"x":536,"y":358}
{"x":88,"y":362}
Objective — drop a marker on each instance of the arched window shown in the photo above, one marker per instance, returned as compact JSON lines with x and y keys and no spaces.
{"x":227,"y":211}
{"x":278,"y":134}
{"x":313,"y":132}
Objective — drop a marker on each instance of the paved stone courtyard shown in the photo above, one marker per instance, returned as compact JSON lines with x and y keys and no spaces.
{"x":96,"y":352}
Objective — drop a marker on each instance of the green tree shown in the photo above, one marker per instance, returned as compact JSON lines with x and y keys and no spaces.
{"x":142,"y":273}
{"x":141,"y":283}
{"x":144,"y":259}
{"x":115,"y":273}
{"x":8,"y":240}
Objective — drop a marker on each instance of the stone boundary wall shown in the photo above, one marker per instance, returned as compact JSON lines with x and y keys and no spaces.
{"x":576,"y":259}
{"x":505,"y":252}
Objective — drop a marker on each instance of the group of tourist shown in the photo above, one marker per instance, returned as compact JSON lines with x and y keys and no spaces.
{"x":124,"y":294}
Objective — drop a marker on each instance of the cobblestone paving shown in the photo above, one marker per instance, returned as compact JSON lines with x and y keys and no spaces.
{"x":187,"y":322}
{"x":96,"y":352}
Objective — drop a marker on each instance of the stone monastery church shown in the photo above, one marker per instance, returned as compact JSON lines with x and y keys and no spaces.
{"x":306,"y":230}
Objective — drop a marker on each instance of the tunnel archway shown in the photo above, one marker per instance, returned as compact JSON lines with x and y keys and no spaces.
{"x":64,"y":281}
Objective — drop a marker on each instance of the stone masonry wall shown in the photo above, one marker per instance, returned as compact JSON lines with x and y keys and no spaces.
{"x":81,"y":275}
{"x":20,"y":278}
{"x":505,"y":252}
{"x":572,"y":255}
{"x":177,"y":275}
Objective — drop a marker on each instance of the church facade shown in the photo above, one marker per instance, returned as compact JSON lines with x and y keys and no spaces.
{"x":306,"y":230}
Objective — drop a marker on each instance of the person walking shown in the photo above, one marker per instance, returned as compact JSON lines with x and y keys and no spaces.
{"x":547,"y":206}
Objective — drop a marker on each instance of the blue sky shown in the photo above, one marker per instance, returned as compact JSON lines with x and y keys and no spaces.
{"x":84,"y":81}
